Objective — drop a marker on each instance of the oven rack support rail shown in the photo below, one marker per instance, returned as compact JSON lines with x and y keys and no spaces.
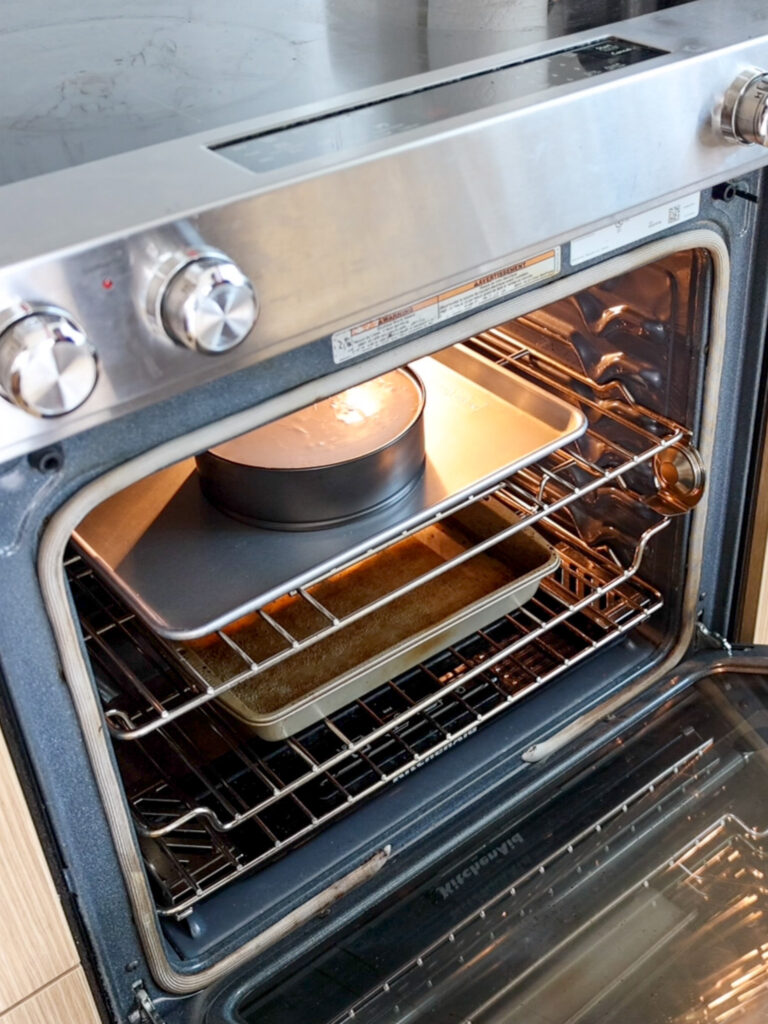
{"x":539,"y":492}
{"x":199,"y":821}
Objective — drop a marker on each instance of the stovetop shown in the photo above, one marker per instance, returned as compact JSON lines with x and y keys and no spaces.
{"x":95,"y":78}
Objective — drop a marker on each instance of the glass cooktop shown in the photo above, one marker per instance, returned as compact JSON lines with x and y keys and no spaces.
{"x":95,"y":78}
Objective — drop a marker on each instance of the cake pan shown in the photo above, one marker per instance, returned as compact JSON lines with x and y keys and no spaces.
{"x":344,"y":457}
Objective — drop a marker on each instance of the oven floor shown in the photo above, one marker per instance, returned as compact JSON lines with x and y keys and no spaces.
{"x":636,"y":893}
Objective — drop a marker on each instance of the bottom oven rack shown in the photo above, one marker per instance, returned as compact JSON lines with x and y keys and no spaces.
{"x":211,"y":800}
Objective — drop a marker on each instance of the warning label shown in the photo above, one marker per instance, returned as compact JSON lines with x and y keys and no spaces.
{"x":409,"y":320}
{"x":633,"y":229}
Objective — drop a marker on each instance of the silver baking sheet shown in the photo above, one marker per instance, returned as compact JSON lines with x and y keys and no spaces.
{"x":187,"y":569}
{"x":293,"y":716}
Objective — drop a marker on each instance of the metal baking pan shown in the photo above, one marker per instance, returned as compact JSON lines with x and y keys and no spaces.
{"x":155,"y":541}
{"x":320,"y":679}
{"x":339,"y":459}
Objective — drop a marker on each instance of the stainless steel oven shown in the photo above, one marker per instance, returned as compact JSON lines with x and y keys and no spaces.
{"x":488,"y":750}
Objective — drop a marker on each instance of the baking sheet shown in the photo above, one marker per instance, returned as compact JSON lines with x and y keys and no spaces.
{"x":187,"y":569}
{"x":319,"y":680}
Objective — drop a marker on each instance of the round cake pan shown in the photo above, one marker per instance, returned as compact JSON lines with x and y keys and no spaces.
{"x":345,"y":457}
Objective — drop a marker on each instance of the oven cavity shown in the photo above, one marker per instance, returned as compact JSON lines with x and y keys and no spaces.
{"x":585,"y":543}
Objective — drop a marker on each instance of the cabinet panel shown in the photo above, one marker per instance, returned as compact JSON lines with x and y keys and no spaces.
{"x":36,"y":944}
{"x":67,"y":1000}
{"x":760,"y":634}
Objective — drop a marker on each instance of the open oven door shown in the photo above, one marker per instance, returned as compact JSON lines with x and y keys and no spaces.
{"x":631,"y":889}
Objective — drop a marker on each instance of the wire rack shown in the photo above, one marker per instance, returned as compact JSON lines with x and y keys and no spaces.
{"x":716,"y":959}
{"x":542,"y":890}
{"x":211,"y":800}
{"x":617,"y":450}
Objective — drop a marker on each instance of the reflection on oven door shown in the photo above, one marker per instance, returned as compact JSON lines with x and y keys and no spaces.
{"x":636,"y":893}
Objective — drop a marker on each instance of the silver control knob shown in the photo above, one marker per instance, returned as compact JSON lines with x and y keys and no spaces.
{"x":744,"y":111}
{"x":207,"y":304}
{"x":47,"y":365}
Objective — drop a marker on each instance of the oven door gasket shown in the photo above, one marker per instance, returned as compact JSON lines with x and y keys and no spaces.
{"x":168,"y":975}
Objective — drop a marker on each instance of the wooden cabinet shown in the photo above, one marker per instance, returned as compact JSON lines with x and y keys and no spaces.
{"x":753,"y":624}
{"x":40,"y":976}
{"x":756,"y":612}
{"x":67,"y":1000}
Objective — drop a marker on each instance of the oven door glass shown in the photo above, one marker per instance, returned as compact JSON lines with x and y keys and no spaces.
{"x":635,"y":891}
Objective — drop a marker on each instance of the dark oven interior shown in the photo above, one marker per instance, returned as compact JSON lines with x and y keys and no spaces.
{"x":216,"y":805}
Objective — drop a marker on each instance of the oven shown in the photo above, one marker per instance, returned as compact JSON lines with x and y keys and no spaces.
{"x":473,"y":741}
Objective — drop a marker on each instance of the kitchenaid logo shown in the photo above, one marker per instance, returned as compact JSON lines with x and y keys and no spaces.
{"x":430,"y":757}
{"x":473,"y":869}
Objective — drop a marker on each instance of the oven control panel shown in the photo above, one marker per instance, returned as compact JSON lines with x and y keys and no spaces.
{"x":115,"y":325}
{"x":201,"y":301}
{"x":470,"y":94}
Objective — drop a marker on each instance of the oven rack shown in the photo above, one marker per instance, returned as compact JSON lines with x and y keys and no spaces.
{"x":536,"y":493}
{"x":211,"y":800}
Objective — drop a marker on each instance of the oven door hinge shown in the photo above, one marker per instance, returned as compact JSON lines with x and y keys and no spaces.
{"x":145,"y":1011}
{"x":708,"y":638}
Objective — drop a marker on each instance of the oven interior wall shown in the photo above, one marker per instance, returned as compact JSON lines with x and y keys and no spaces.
{"x":630,"y":352}
{"x":641,"y":338}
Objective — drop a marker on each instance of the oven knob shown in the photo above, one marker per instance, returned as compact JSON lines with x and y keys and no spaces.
{"x":744,"y":111}
{"x":207,"y":304}
{"x":47,"y":365}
